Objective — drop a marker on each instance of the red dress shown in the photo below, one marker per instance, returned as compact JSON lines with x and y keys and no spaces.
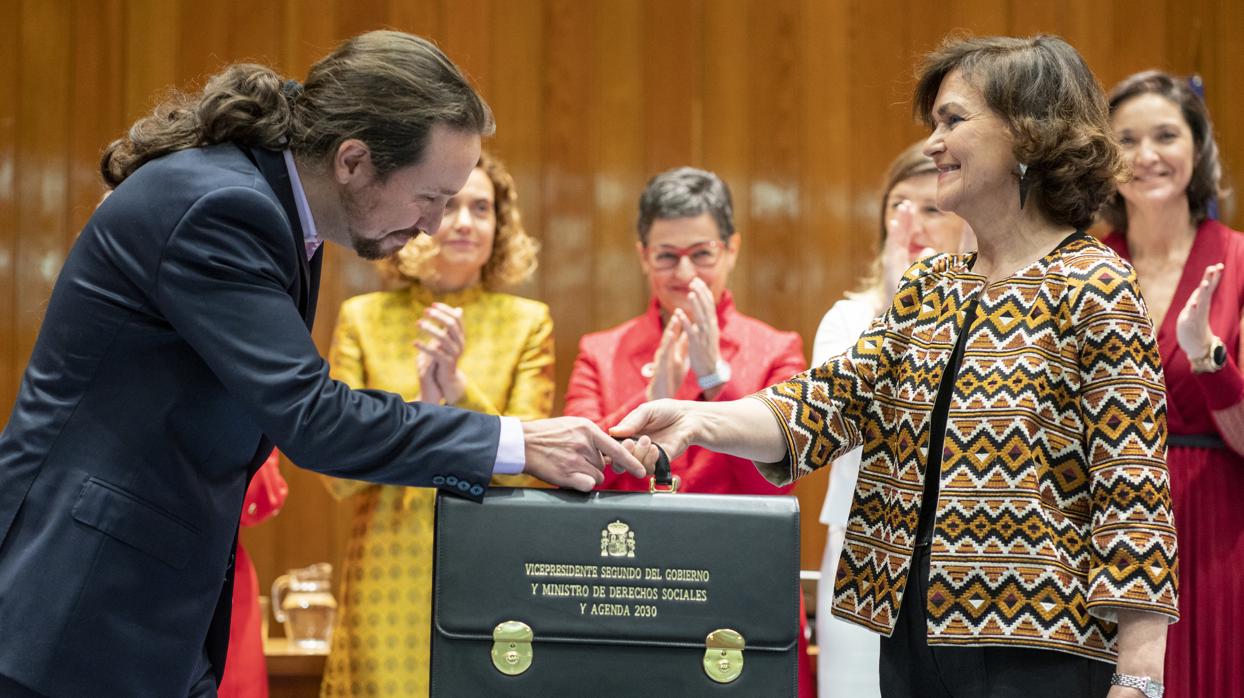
{"x":1204,"y":656}
{"x":608,"y":381}
{"x":246,"y":673}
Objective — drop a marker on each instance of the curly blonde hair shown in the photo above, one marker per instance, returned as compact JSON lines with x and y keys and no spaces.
{"x":513,"y":258}
{"x":1054,"y":107}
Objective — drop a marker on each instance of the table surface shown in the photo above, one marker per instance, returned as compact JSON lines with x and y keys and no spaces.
{"x":285,"y":659}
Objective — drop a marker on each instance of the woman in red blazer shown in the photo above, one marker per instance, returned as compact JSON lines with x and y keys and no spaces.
{"x":691,"y":344}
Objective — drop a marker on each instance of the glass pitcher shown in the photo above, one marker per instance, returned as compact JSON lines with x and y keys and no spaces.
{"x":302,"y":599}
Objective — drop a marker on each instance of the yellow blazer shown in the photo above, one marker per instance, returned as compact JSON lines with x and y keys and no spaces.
{"x":383,"y":635}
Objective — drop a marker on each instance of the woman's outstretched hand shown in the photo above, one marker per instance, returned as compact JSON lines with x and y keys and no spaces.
{"x":668,"y":422}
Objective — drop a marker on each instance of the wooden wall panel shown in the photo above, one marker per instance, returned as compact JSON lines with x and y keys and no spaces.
{"x":150,"y":43}
{"x":518,"y":54}
{"x":617,"y":154}
{"x":12,"y":362}
{"x":672,"y":40}
{"x":42,"y":162}
{"x":96,"y":72}
{"x":467,"y":36}
{"x":799,"y":104}
{"x":566,"y":191}
{"x":727,"y":136}
{"x":774,"y":245}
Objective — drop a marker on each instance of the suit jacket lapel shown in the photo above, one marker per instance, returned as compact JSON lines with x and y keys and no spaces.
{"x":317,"y":261}
{"x":271,"y":165}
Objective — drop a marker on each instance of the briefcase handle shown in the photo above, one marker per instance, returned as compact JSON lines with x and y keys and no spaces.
{"x":662,"y":479}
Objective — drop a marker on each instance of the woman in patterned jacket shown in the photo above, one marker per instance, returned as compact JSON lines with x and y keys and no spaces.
{"x":446,"y":337}
{"x":1011,"y":531}
{"x":912,"y":228}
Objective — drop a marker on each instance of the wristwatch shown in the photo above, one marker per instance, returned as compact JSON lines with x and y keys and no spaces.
{"x":1144,"y":684}
{"x":716,"y":378}
{"x":1213,"y":360}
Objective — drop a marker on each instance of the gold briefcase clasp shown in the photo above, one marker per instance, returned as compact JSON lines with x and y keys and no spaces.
{"x":511,"y":647}
{"x":671,"y":488}
{"x":723,"y":655}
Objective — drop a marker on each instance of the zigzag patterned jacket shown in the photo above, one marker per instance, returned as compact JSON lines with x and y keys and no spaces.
{"x":1054,"y":509}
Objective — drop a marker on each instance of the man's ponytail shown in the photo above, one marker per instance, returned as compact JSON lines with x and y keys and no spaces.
{"x":245,"y":104}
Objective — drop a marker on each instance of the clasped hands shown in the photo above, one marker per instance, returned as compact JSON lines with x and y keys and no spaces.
{"x":573,"y":451}
{"x":441,"y":382}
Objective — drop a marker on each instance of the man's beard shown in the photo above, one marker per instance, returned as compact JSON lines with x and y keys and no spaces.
{"x":369,"y":249}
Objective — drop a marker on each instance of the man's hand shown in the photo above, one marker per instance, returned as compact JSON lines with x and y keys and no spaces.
{"x":572,"y":452}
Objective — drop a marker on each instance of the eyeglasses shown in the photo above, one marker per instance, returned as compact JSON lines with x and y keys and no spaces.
{"x":701,"y":254}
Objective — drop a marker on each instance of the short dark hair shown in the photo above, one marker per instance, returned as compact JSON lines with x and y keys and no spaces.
{"x":1052,"y":105}
{"x":385,"y":88}
{"x":685,"y":192}
{"x":1205,"y":188}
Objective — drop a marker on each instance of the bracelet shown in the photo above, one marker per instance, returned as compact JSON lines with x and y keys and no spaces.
{"x":718,"y":377}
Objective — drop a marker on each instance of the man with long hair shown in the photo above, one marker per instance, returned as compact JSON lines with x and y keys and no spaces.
{"x":176,"y":349}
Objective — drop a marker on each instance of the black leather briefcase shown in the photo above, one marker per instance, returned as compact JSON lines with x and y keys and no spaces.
{"x":556,"y":593}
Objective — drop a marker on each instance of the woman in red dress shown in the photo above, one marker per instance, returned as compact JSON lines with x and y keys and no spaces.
{"x":1191,"y":271}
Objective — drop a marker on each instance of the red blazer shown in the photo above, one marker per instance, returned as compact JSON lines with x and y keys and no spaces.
{"x":607,"y":383}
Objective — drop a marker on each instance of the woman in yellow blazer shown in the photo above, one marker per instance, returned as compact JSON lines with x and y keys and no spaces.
{"x":446,"y":336}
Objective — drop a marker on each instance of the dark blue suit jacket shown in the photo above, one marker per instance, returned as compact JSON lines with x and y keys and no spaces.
{"x":176,"y":343}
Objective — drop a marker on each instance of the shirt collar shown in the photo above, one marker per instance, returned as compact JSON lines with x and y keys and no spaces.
{"x":310,"y":236}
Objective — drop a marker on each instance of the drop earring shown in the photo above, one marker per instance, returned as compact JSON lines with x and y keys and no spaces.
{"x":1023,"y":184}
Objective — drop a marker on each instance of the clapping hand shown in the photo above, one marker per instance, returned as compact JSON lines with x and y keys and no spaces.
{"x":703,"y":335}
{"x":896,"y":256}
{"x":440,"y":379}
{"x":1192,"y":326}
{"x":669,"y":366}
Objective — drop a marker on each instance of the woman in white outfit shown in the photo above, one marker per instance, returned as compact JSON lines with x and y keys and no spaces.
{"x":912,"y":227}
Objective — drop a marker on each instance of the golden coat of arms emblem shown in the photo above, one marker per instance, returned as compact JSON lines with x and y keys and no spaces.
{"x":617,"y":540}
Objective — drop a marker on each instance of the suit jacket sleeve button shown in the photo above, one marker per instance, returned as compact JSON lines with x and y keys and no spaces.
{"x":438,"y":480}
